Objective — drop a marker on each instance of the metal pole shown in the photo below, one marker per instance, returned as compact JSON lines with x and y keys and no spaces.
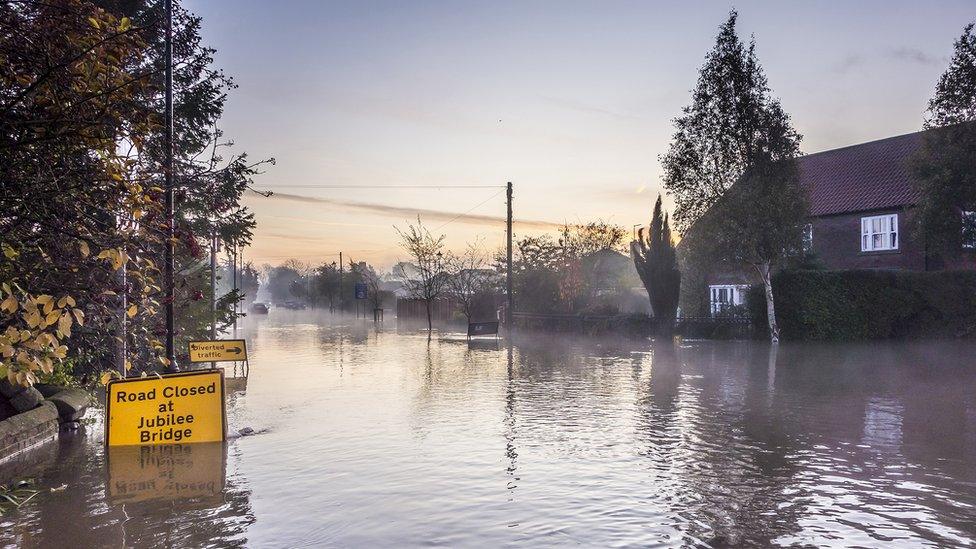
{"x":213,"y":290}
{"x":235,"y":290}
{"x":508,"y":266}
{"x":123,"y":321}
{"x":169,"y":257}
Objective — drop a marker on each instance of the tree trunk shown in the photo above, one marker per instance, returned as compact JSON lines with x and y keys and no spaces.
{"x":430,"y":326}
{"x":764,"y":269}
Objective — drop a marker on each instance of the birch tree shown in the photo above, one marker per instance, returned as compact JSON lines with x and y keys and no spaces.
{"x":736,"y":136}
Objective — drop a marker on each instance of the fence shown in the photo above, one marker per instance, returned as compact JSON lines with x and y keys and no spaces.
{"x":634,"y":325}
{"x":442,"y":309}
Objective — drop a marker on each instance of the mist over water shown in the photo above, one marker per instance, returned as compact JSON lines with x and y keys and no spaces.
{"x":371,"y":436}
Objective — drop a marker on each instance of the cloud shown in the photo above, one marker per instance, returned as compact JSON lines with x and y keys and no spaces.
{"x":577,"y":106}
{"x":848,"y":63}
{"x":916,"y":55}
{"x":405,"y":212}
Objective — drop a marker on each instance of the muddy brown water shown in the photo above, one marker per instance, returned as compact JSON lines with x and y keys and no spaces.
{"x":367,"y":437}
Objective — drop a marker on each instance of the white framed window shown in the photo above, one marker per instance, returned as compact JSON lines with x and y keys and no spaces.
{"x":723,"y":296}
{"x":879,"y":232}
{"x":808,"y":237}
{"x":969,"y":230}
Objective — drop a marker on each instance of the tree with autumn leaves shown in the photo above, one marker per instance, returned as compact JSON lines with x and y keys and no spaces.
{"x":82,"y":229}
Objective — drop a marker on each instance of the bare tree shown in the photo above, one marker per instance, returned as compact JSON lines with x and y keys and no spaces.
{"x":427,"y":253}
{"x":468,"y":277}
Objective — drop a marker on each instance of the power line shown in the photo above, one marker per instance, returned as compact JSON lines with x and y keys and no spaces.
{"x":388,"y":186}
{"x":460,"y":215}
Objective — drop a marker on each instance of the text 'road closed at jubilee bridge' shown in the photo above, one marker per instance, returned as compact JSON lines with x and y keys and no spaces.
{"x":182,"y":408}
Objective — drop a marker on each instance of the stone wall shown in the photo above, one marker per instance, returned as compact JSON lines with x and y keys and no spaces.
{"x":28,"y":429}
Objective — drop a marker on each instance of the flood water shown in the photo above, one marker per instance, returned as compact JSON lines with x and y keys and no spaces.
{"x":374,"y":438}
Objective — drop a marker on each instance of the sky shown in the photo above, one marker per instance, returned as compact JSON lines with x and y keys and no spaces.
{"x":570,"y":101}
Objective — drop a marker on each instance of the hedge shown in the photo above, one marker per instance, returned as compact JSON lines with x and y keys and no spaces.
{"x":870,"y":304}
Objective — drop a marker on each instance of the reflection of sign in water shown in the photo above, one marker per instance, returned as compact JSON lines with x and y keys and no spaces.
{"x":178,"y":408}
{"x":361,"y":290}
{"x":224,"y":350}
{"x":172,"y":471}
{"x":482,"y":328}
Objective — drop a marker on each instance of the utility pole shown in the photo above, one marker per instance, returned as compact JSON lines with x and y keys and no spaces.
{"x":168,"y":258}
{"x":508,"y":266}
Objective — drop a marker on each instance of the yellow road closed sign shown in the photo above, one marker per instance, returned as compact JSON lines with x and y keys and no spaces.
{"x":172,"y":409}
{"x":221,"y":350}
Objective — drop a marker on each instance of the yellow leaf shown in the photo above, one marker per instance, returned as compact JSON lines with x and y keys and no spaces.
{"x":52,"y":317}
{"x":128,"y":365}
{"x":105,"y":378}
{"x":94,"y":22}
{"x":79,"y":316}
{"x":61,"y":351}
{"x":8,"y":251}
{"x":137,"y":213}
{"x":43,"y":299}
{"x":125,"y":24}
{"x":62,"y":302}
{"x":132,"y":310}
{"x":69,"y":300}
{"x":85,"y":250}
{"x":64,"y":326}
{"x":32,"y":318}
{"x":9,"y":305}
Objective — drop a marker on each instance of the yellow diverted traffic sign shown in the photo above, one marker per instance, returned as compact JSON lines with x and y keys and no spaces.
{"x":173,"y":409}
{"x":221,"y":350}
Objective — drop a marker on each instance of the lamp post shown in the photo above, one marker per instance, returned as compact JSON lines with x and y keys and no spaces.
{"x":169,"y":255}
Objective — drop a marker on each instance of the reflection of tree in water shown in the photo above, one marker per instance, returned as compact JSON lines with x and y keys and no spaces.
{"x":82,"y":514}
{"x":718,"y":458}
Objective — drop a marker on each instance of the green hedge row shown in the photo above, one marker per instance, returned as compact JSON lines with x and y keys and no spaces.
{"x":867,"y":304}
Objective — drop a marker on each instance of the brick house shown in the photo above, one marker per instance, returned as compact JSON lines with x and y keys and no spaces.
{"x":861,"y":200}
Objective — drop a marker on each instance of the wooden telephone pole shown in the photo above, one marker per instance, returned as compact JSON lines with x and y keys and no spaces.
{"x":508,"y":266}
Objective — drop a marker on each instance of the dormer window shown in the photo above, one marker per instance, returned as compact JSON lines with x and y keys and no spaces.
{"x":879,"y":232}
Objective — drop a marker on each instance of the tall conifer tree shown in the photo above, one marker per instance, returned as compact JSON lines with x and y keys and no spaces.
{"x":656,"y":263}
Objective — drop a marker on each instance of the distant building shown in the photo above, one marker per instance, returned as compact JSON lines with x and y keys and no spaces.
{"x":861,"y":200}
{"x":614,"y":278}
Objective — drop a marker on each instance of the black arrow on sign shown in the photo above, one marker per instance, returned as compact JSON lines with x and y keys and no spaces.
{"x":235,"y":350}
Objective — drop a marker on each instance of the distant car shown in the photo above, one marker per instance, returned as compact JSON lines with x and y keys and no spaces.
{"x":259,"y":309}
{"x":293,"y":305}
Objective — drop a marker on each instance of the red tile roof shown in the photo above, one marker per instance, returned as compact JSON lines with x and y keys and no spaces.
{"x":868,"y":176}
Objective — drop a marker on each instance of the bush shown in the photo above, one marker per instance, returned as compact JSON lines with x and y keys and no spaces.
{"x":868,"y":304}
